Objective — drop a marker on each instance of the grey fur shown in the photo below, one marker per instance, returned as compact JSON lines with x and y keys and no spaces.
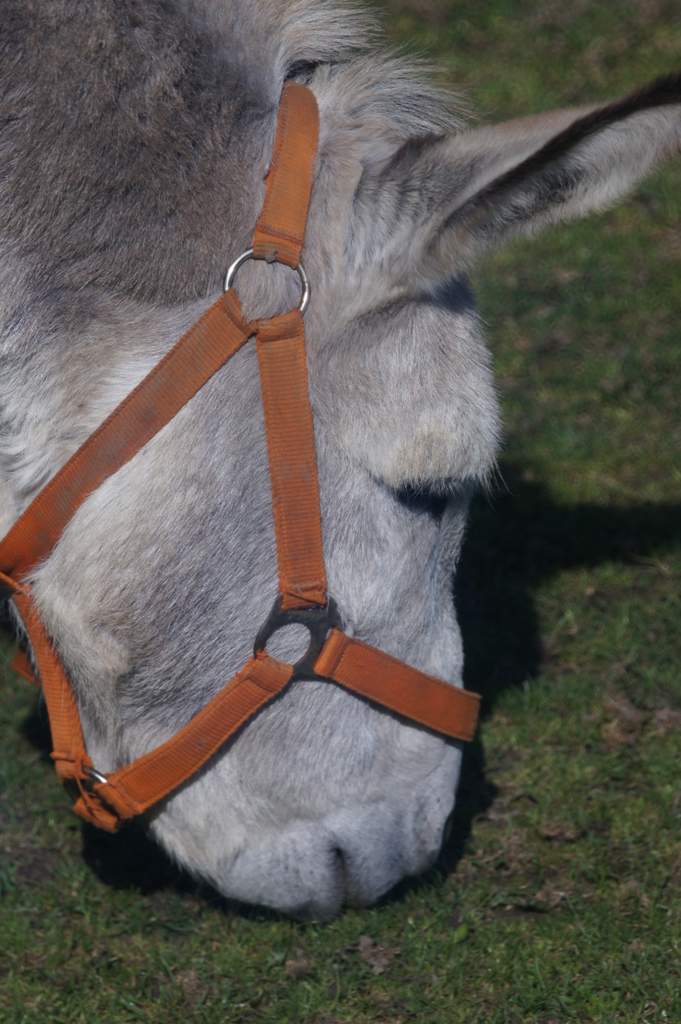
{"x":134,"y":138}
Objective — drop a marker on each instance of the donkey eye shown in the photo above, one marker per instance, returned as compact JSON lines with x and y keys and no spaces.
{"x":302,"y":70}
{"x":422,"y":501}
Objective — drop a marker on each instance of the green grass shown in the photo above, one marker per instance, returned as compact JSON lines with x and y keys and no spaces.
{"x":559,"y":897}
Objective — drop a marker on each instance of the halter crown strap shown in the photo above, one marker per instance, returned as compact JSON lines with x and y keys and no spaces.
{"x":280,"y":231}
{"x":282,"y":360}
{"x":108,"y":800}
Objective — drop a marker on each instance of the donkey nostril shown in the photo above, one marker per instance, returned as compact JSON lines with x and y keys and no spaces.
{"x":341,"y":866}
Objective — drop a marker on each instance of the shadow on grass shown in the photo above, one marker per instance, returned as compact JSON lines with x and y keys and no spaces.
{"x":516,"y":539}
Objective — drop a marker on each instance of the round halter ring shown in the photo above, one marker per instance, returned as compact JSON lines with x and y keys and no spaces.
{"x":230,"y":277}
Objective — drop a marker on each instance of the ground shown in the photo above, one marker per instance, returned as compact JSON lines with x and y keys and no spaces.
{"x":558,"y":898}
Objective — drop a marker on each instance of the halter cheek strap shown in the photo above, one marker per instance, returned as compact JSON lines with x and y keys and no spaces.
{"x":108,"y":800}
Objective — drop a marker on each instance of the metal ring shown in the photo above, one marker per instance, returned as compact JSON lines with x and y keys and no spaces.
{"x":317,"y":620}
{"x":248,"y":255}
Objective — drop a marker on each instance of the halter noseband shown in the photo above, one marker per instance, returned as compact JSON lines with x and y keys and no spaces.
{"x":107,"y":800}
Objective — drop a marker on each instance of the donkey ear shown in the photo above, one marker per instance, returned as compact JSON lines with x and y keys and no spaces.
{"x":586,"y":166}
{"x":451,"y":198}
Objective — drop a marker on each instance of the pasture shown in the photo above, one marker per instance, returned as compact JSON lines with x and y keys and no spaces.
{"x":558,"y":896}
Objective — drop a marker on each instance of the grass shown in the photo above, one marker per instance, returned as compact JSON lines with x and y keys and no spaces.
{"x":558,"y":899}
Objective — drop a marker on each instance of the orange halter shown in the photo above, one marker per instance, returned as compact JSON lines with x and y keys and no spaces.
{"x":107,"y":801}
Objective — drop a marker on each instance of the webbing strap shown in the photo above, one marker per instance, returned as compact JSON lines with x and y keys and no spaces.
{"x":292,"y":460}
{"x":378,"y":677}
{"x":280,"y":231}
{"x":279,"y":234}
{"x":142,"y":784}
{"x":68,"y":745}
{"x":22,"y":666}
{"x":196,"y":357}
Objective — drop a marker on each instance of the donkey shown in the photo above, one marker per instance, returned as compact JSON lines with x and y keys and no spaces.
{"x":134,"y":140}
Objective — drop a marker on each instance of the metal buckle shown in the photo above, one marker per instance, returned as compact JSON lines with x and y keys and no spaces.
{"x":230,"y":276}
{"x":94,"y":776}
{"x":83,"y":784}
{"x":318,"y":621}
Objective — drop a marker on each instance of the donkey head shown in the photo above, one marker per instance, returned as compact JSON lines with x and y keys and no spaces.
{"x":132,"y":177}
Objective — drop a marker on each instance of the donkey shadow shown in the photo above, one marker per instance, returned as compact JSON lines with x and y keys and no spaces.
{"x":517,"y":538}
